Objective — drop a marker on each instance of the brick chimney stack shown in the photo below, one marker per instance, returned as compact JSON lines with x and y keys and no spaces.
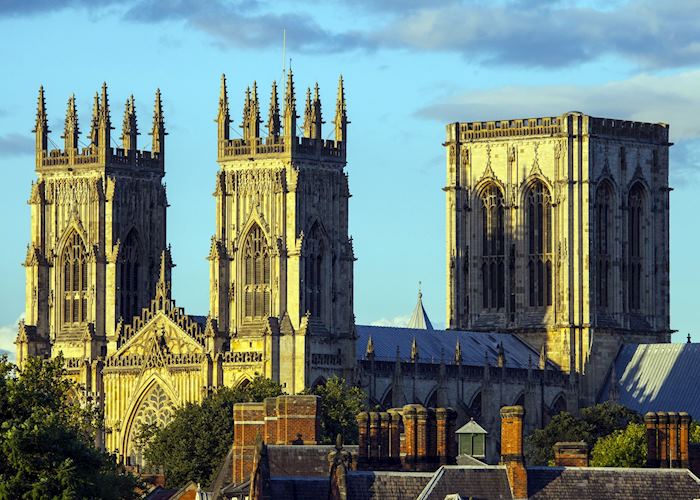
{"x":668,"y":436}
{"x":512,"y":449}
{"x":571,"y":454}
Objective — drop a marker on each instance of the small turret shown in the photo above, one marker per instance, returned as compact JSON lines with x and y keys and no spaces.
{"x":414,"y":350}
{"x":369,"y":352}
{"x":458,"y":353}
{"x":104,"y":124}
{"x":129,"y":126}
{"x":341,"y":117}
{"x":95,"y":121}
{"x":501,"y":360}
{"x":273,"y":120}
{"x":254,"y":122}
{"x":41,"y":128}
{"x":71,"y":131}
{"x":316,"y":118}
{"x":158,"y":131}
{"x":223,"y":119}
{"x":308,"y":114}
{"x":290,"y":109}
{"x":164,"y":277}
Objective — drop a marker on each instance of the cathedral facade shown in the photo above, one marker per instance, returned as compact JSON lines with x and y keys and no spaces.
{"x":558,"y":230}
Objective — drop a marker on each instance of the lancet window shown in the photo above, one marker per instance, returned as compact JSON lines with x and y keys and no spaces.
{"x":129,"y":277}
{"x":256,"y":271}
{"x":75,"y":281}
{"x":604,"y":234}
{"x":538,"y":203}
{"x":313,"y":272}
{"x":635,"y":241}
{"x":493,"y":248}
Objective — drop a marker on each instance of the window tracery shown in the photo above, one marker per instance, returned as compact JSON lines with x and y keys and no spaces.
{"x":493,"y":248}
{"x":539,"y":241}
{"x":635,"y":239}
{"x":129,"y":277}
{"x":256,"y":274}
{"x":604,"y":232}
{"x":313,"y":272}
{"x":75,"y":281}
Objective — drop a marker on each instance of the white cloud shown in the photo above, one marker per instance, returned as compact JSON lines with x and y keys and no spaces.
{"x":397,"y":321}
{"x":7,"y":338}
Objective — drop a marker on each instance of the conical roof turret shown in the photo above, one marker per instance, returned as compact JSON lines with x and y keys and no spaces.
{"x":419,"y":318}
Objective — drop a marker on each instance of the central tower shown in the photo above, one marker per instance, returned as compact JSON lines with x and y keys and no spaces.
{"x":281,"y":261}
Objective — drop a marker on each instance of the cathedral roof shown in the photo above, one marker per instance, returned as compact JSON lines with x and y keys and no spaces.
{"x":419,"y":318}
{"x":435,"y":345}
{"x":655,"y":377}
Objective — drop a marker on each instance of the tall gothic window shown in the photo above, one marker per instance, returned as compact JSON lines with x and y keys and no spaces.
{"x":75,"y":281}
{"x":493,"y":248}
{"x":604,"y":231}
{"x":635,"y":241}
{"x":538,"y":204}
{"x":129,"y":274}
{"x":256,"y":278}
{"x":313,"y":271}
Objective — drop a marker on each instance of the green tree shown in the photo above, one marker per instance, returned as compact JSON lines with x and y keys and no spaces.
{"x":594,"y":422}
{"x":193,"y":445}
{"x":47,"y":442}
{"x":340,"y":404}
{"x":622,"y":448}
{"x":694,"y":434}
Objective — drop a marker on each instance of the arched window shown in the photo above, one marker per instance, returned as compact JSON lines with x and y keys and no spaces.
{"x":539,"y":240}
{"x":492,"y":248}
{"x":313,"y":271}
{"x":604,"y":234}
{"x":129,"y":277}
{"x":635,"y":242}
{"x":75,"y":281}
{"x":256,"y":274}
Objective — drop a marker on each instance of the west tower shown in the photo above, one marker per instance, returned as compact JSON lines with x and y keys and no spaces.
{"x":97,"y":233}
{"x":281,"y":261}
{"x":558,"y":230}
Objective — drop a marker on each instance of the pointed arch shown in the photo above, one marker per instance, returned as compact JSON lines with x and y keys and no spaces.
{"x":474,"y":406}
{"x":387,"y":399}
{"x":256,"y":262}
{"x":520,"y":400}
{"x":73,"y":279}
{"x":537,"y":201}
{"x":243,"y":382}
{"x":155,"y":404}
{"x":637,"y":200}
{"x":130,"y":277}
{"x":604,"y":210}
{"x":431,"y":401}
{"x":315,"y":263}
{"x":558,"y":405}
{"x":320,"y":380}
{"x":492,"y":222}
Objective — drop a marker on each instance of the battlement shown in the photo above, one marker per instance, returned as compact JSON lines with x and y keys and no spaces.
{"x":557,"y":126}
{"x":99,"y":151}
{"x":281,"y":139}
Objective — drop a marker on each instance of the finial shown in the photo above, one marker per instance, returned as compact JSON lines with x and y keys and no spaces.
{"x":542,"y":364}
{"x":71,"y":131}
{"x":414,"y":350}
{"x":688,"y":338}
{"x":94,"y":124}
{"x":420,"y":292}
{"x":273,"y":120}
{"x":308,"y":114}
{"x":129,"y":126}
{"x":223,"y":119}
{"x":104,"y":107}
{"x":41,"y":127}
{"x":290,"y":112}
{"x":458,"y":353}
{"x":501,"y":355}
{"x":163,"y":286}
{"x":370,"y":348}
{"x":316,"y":116}
{"x":158,"y":132}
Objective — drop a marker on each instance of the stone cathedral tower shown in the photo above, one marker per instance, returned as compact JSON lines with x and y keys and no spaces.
{"x":558,"y":230}
{"x":281,"y":261}
{"x":97,"y":233}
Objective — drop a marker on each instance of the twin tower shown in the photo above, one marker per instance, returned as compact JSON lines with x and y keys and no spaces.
{"x":281,"y":261}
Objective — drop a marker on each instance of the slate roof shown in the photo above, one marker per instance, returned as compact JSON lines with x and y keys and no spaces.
{"x":302,"y":460}
{"x":656,"y":377}
{"x":594,"y":483}
{"x":370,"y":485}
{"x":300,"y":488}
{"x":419,"y":318}
{"x":475,"y":482}
{"x":433,"y":344}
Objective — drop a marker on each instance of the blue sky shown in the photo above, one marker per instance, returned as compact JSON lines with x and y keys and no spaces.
{"x":410,"y":67}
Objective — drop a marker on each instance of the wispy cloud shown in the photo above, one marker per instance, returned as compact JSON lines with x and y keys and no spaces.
{"x":7,"y":338}
{"x":398,"y":321}
{"x":14,"y":144}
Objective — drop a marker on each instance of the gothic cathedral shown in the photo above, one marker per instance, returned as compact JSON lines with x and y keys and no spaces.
{"x":281,"y":261}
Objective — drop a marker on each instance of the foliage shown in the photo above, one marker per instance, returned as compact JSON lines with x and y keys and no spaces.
{"x":694,"y":432}
{"x":595,"y":422}
{"x":47,"y":443}
{"x":622,"y":448}
{"x":340,"y":405}
{"x":193,"y":445}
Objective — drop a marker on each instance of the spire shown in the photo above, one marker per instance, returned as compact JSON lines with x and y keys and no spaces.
{"x":223,"y":119}
{"x":341,"y":117}
{"x":369,"y":352}
{"x":458,"y":353}
{"x":501,"y":355}
{"x":308,"y":114}
{"x":419,"y":318}
{"x":41,"y":128}
{"x":316,"y":118}
{"x":129,"y":126}
{"x":104,"y":124}
{"x":163,"y":285}
{"x":414,"y":350}
{"x":273,"y":120}
{"x":542,"y":364}
{"x":94,"y":123}
{"x":71,"y":131}
{"x":290,"y":109}
{"x":158,"y":132}
{"x":255,"y":113}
